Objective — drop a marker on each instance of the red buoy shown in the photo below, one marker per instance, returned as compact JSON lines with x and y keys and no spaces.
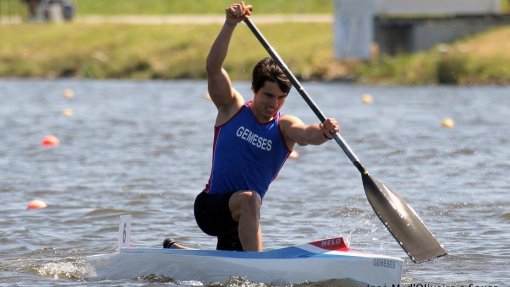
{"x":36,"y":204}
{"x":50,"y":141}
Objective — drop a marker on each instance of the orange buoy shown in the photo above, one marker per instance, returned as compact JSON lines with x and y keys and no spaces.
{"x":50,"y":141}
{"x":35,"y":204}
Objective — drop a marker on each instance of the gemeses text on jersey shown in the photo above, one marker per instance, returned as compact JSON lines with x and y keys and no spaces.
{"x":254,"y":139}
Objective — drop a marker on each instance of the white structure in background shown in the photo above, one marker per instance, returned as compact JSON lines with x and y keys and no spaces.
{"x":354,"y":19}
{"x":354,"y":28}
{"x":437,"y":7}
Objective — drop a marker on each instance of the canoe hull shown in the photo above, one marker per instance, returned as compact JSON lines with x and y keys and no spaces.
{"x":329,"y":259}
{"x":207,"y":267}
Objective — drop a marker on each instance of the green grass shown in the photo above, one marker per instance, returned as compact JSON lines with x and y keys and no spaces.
{"x":481,"y":59}
{"x":179,"y":51}
{"x":165,"y":7}
{"x":112,"y":7}
{"x":505,"y":6}
{"x":130,"y":51}
{"x":159,"y":7}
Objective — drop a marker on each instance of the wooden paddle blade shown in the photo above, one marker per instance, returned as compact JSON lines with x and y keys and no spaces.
{"x":402,"y":221}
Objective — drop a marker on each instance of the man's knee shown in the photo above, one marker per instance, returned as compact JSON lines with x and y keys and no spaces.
{"x":252,"y":200}
{"x":245,"y":202}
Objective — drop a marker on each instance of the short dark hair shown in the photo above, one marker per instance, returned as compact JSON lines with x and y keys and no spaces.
{"x":268,"y":70}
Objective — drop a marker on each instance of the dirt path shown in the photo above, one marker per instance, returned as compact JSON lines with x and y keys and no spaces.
{"x":188,"y":19}
{"x":199,"y":19}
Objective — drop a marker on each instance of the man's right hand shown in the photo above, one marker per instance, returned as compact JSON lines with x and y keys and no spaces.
{"x":236,"y":13}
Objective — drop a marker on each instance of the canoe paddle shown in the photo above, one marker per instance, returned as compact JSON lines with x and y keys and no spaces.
{"x":398,"y":217}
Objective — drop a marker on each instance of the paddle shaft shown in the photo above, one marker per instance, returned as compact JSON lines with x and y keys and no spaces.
{"x":338,"y":138}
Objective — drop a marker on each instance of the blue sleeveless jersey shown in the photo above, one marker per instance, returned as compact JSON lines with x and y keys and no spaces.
{"x":247,"y":155}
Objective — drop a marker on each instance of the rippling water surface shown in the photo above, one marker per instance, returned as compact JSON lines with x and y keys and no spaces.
{"x":144,"y":148}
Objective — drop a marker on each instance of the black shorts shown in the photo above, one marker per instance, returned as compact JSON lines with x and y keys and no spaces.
{"x":213,"y":216}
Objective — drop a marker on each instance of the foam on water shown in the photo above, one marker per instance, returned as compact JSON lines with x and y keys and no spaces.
{"x":69,"y":269}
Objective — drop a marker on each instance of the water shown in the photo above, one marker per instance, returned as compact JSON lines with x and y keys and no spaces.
{"x":144,"y":148}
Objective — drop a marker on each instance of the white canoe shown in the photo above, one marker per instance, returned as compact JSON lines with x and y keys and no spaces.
{"x":329,"y":259}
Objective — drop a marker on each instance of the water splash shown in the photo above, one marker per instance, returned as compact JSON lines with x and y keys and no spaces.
{"x":236,"y":281}
{"x":69,"y":269}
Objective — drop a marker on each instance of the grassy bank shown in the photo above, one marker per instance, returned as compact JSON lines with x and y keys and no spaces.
{"x":173,"y":7}
{"x":179,"y":51}
{"x":131,"y":51}
{"x":160,"y":7}
{"x":165,"y":7}
{"x":481,"y":59}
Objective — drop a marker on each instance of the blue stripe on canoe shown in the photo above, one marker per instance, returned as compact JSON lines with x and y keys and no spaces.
{"x":282,"y":253}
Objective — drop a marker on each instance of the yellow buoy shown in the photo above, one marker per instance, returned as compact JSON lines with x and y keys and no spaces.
{"x":367,"y":99}
{"x":67,"y":112}
{"x":448,"y":123}
{"x":68,"y":93}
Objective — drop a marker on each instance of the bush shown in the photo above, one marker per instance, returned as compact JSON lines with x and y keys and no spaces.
{"x":451,"y":69}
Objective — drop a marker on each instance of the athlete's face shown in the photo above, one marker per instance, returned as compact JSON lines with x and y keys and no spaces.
{"x":268,"y":101}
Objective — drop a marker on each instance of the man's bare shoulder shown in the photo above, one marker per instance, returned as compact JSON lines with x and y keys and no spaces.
{"x":290,"y":120}
{"x":227,"y":111}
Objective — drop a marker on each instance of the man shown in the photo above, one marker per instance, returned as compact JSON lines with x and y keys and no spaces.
{"x":252,"y":140}
{"x":33,"y":6}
